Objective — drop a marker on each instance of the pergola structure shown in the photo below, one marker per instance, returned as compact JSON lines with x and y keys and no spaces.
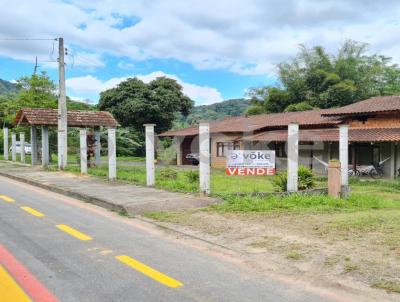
{"x":45,"y":118}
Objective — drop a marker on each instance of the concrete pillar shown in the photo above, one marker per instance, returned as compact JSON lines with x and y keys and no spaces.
{"x":392,"y":161}
{"x":83,"y":148}
{"x":5,"y":138}
{"x":112,"y":154}
{"x":204,"y":152}
{"x":45,"y":146}
{"x":293,"y":157}
{"x":97,"y":146}
{"x":344,"y":157}
{"x":150,"y":178}
{"x":22,"y":144}
{"x":34,"y":146}
{"x":178,"y":146}
{"x":13,"y":147}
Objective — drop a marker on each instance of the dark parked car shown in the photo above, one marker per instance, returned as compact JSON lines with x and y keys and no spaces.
{"x":193,"y":158}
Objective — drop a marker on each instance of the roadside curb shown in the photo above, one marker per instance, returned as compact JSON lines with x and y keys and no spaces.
{"x":86,"y":198}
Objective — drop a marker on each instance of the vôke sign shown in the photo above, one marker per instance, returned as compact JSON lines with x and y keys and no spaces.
{"x":250,"y":163}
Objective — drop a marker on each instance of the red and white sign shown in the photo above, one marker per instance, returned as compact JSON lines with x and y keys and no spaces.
{"x":250,"y":162}
{"x":250,"y":171}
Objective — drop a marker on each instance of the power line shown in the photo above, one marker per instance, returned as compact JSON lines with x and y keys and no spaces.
{"x":27,"y":39}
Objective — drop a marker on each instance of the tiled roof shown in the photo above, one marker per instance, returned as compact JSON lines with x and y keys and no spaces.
{"x":75,"y":118}
{"x":330,"y":135}
{"x":372,"y":105}
{"x":257,"y":122}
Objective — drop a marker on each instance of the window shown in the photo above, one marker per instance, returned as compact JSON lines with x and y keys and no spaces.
{"x":280,"y":149}
{"x":223,"y":147}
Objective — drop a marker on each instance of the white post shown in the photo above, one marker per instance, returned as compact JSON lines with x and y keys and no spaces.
{"x":344,"y":157}
{"x":62,"y":140}
{"x":13,"y":147}
{"x":293,"y":157}
{"x":34,"y":149}
{"x":97,"y":146}
{"x":83,"y":145}
{"x":204,"y":152}
{"x":45,"y":146}
{"x":5,"y":134}
{"x":178,"y":146}
{"x":112,"y":154}
{"x":150,"y":178}
{"x":22,"y":144}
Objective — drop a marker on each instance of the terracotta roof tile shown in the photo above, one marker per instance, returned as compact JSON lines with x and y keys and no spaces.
{"x":75,"y":118}
{"x":372,"y":105}
{"x":331,"y":135}
{"x":257,"y":122}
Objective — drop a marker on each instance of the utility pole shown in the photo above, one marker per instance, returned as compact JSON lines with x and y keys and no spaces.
{"x":62,"y":109}
{"x":36,"y":66}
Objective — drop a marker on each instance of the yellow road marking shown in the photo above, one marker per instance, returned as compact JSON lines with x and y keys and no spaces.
{"x":9,"y":289}
{"x":6,"y":198}
{"x":32,"y":211}
{"x":149,"y":272}
{"x":73,"y":232}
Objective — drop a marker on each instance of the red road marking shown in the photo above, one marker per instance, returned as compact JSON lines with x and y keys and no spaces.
{"x":36,"y":291}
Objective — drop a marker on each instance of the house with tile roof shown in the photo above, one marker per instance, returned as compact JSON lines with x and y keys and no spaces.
{"x":374,"y":133}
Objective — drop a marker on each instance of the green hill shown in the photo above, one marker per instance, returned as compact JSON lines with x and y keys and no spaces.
{"x":7,"y":87}
{"x":234,"y":107}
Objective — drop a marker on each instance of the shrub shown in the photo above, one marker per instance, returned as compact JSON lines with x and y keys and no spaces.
{"x":306,"y":178}
{"x":192,"y":176}
{"x":305,"y":181}
{"x":280,"y":182}
{"x":168,"y":174}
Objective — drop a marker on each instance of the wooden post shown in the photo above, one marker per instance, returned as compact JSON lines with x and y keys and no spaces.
{"x":334,"y":179}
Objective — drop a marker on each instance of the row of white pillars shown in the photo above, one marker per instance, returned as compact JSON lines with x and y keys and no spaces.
{"x":45,"y":148}
{"x":112,"y":151}
{"x":204,"y":152}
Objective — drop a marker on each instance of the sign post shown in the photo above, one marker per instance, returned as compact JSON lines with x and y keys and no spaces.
{"x":250,"y":162}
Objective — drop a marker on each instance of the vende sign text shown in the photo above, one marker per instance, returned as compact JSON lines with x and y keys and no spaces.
{"x":251,"y":171}
{"x":250,"y":162}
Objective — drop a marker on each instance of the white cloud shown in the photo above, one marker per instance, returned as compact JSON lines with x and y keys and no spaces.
{"x":244,"y":36}
{"x":91,"y":85}
{"x":125,"y":65}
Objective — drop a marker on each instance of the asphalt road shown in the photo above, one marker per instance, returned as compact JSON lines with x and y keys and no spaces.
{"x":54,"y":248}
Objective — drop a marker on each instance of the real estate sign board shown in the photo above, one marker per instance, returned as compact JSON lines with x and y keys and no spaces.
{"x":250,"y":162}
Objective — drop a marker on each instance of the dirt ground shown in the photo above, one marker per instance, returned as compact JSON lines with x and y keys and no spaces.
{"x":356,"y":251}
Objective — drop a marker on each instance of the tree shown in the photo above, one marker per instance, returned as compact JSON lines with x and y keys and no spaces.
{"x":134,"y":103}
{"x":36,"y":91}
{"x":316,"y":79}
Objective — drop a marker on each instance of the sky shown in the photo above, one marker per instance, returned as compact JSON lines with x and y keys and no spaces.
{"x":216,"y":49}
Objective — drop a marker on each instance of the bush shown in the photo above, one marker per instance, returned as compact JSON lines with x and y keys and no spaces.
{"x":192,"y":176}
{"x":305,"y":181}
{"x":280,"y":182}
{"x":306,"y":178}
{"x":168,"y":174}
